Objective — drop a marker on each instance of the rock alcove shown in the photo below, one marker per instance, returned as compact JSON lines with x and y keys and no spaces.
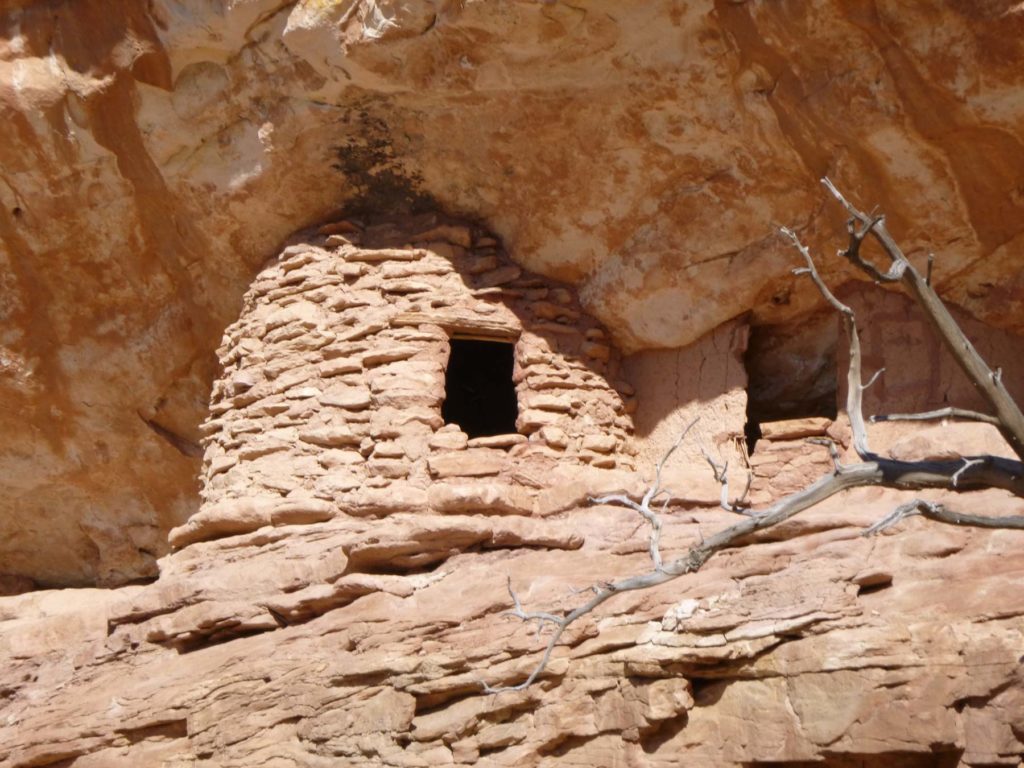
{"x":338,"y":596}
{"x":155,"y":153}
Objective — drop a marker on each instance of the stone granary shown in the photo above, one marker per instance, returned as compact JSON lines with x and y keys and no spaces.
{"x":382,"y":369}
{"x":156,"y":154}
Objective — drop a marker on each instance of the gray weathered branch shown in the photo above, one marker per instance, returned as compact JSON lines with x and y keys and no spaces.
{"x":936,"y":511}
{"x":988,"y":383}
{"x":721,"y":474}
{"x":965,"y":474}
{"x":941,"y":413}
{"x":989,"y":472}
{"x":854,"y":387}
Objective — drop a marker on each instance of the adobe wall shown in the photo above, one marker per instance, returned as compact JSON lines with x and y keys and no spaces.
{"x":333,"y":377}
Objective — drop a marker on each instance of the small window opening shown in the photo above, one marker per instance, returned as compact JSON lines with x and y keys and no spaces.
{"x":479,"y":394}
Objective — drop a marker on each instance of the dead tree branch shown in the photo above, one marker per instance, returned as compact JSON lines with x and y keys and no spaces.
{"x":721,"y":475}
{"x":643,"y":508}
{"x":941,"y":413}
{"x":967,"y":473}
{"x":854,"y":387}
{"x":989,"y":383}
{"x":935,"y":511}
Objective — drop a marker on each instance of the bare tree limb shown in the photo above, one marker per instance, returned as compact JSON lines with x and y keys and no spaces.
{"x":854,"y":387}
{"x":857,"y":236}
{"x":956,"y":475}
{"x":982,"y":472}
{"x":833,"y":452}
{"x":941,"y":413}
{"x":988,"y":383}
{"x":721,"y":475}
{"x":961,"y":475}
{"x":643,"y":508}
{"x":935,"y":511}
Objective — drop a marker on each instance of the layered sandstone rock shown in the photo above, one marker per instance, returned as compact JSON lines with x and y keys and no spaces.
{"x":156,"y":154}
{"x":339,"y":596}
{"x":341,"y":556}
{"x":364,"y":641}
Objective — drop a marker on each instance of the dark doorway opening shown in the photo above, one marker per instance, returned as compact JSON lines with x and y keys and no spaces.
{"x":479,"y":394}
{"x":791,"y":372}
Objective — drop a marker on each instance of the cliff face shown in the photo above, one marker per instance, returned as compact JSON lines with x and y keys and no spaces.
{"x":341,"y":597}
{"x":156,"y":162}
{"x":155,"y":154}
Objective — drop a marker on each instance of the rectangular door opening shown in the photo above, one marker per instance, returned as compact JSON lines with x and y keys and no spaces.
{"x":479,"y":394}
{"x":791,"y":372}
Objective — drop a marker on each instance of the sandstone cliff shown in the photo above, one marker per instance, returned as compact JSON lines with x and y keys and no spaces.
{"x":154,"y":155}
{"x":602,"y":182}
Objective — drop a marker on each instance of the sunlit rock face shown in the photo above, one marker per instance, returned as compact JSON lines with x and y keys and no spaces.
{"x":155,"y":155}
{"x":206,"y":347}
{"x":341,"y":595}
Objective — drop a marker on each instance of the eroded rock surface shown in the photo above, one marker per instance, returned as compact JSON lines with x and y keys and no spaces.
{"x":336,"y":592}
{"x":364,"y":641}
{"x":340,"y":594}
{"x":155,"y":154}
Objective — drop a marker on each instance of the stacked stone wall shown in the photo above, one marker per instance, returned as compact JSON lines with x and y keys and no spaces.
{"x":333,"y":379}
